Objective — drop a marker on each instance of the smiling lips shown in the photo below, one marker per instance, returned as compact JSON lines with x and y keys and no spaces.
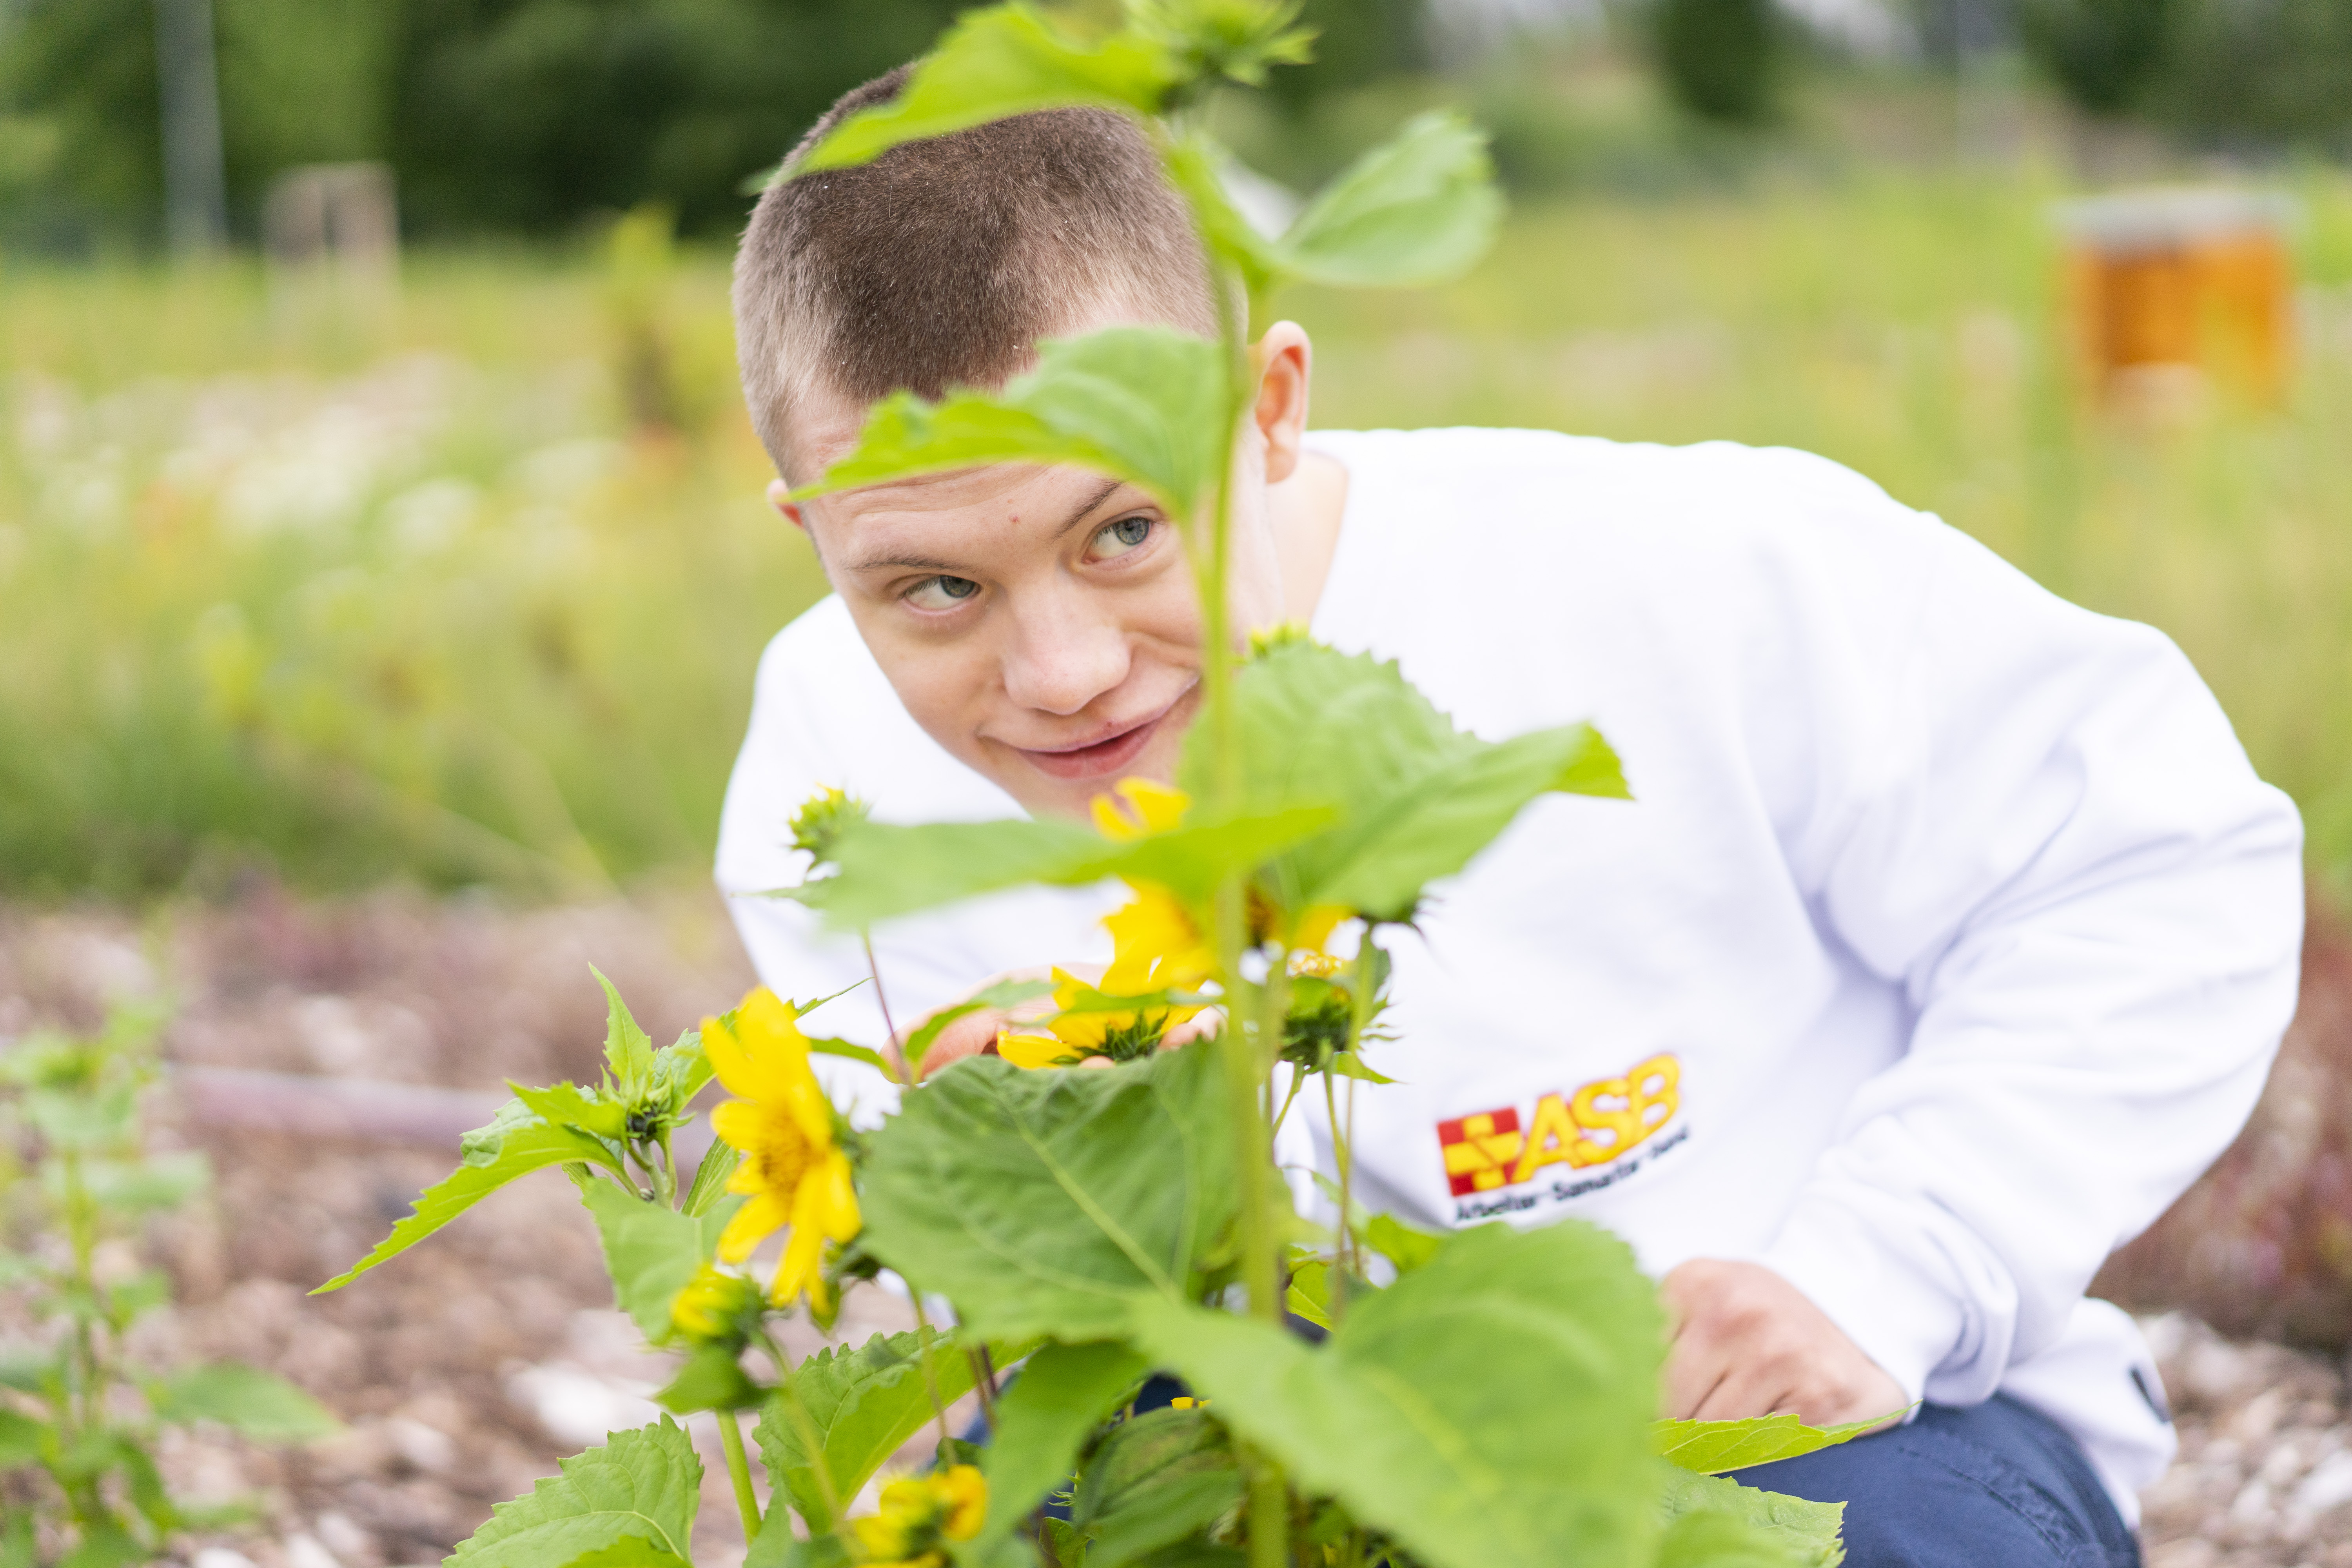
{"x":1106,"y":758}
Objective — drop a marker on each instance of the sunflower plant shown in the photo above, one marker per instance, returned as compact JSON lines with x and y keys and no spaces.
{"x":1358,"y":1391}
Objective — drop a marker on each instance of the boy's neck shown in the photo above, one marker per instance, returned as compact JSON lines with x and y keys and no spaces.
{"x":1305,"y":510}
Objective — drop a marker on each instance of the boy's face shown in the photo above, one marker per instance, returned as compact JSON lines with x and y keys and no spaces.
{"x":1041,"y":624}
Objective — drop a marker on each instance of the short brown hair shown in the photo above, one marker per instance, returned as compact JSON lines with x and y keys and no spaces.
{"x":941,"y":262}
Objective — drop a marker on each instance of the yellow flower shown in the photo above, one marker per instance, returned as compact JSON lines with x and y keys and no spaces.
{"x":791,"y":1170}
{"x":919,"y":1512}
{"x":1157,"y":945}
{"x":1138,"y":808}
{"x":713,"y":1304}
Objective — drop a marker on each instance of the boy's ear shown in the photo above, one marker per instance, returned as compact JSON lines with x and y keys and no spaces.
{"x":780,"y":496}
{"x":1284,"y":362}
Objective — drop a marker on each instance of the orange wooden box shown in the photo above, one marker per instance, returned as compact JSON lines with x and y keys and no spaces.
{"x":2166,"y":283}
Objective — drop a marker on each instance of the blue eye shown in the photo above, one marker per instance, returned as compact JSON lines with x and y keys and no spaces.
{"x":941,"y":593}
{"x":1117,"y":537}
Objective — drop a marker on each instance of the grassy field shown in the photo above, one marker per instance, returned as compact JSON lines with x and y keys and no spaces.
{"x":466,"y":585}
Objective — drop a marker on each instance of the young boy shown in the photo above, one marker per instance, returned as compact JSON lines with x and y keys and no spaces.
{"x":1948,"y":938}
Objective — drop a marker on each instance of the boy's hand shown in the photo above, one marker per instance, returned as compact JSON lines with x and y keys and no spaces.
{"x":975,"y":1033}
{"x":1747,"y":1343}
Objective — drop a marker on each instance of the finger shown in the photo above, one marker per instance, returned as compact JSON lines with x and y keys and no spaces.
{"x":1744,"y":1394}
{"x":965,"y":1037}
{"x":1696,"y":1367}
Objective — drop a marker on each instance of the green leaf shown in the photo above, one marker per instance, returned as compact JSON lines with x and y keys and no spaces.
{"x":1003,"y":993}
{"x":628,"y":1051}
{"x":1351,"y":1064}
{"x":1047,"y":1203}
{"x":1712,"y":1448}
{"x":70,"y":1121}
{"x":568,"y":1105}
{"x":17,"y":1548}
{"x":1004,"y":60}
{"x":642,"y":1485}
{"x":1310,"y":1294}
{"x":1405,"y":1246}
{"x":712,"y":1379}
{"x":651,"y":1250}
{"x":1488,"y":1407}
{"x":679,"y":1074}
{"x":830,"y":1047}
{"x":21,"y":1438}
{"x":154,"y":1181}
{"x":26,"y":1369}
{"x":515,"y":1144}
{"x":709,"y":1184}
{"x":245,"y":1399}
{"x":104,"y":1544}
{"x":1421,"y":208}
{"x":1417,"y":797}
{"x":888,"y":869}
{"x":1806,"y":1532}
{"x":864,"y":1404}
{"x":1062,"y":1393}
{"x":1145,"y":405}
{"x":1726,"y":1540}
{"x":1159,"y":1479}
{"x":1068,"y":1546}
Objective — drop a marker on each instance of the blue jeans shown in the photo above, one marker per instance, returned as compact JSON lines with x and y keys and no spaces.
{"x":1994,"y":1486}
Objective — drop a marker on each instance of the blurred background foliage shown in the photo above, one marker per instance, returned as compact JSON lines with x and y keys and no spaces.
{"x":463,"y":580}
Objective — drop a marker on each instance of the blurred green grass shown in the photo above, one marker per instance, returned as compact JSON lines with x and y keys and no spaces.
{"x":467,"y":586}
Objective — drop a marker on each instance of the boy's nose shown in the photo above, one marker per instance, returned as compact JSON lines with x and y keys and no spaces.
{"x":1060,"y":662}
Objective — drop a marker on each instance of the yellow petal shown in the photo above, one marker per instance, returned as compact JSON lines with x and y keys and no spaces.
{"x":753,"y":1058}
{"x":803,"y":1098}
{"x":965,"y":1492}
{"x":1316,"y":926}
{"x":1137,"y":808}
{"x":743,"y":1124}
{"x":1030,"y":1052}
{"x":755,"y":1220}
{"x":827,"y":1201}
{"x":801,"y":1267}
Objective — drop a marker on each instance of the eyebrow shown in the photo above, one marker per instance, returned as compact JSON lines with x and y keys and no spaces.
{"x":932,"y":563}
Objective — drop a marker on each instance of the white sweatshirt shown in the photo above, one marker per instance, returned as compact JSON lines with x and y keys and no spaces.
{"x":1948,"y":937}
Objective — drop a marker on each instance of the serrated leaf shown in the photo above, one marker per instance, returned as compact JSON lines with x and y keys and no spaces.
{"x":1489,"y":1407}
{"x":568,"y":1105}
{"x":651,"y":1250}
{"x":889,"y":870}
{"x":1047,"y":1203}
{"x":514,"y":1145}
{"x":1421,"y":208}
{"x":1807,"y":1532}
{"x":1159,"y":1479}
{"x":21,"y":1438}
{"x":709,"y":1184}
{"x":245,"y":1399}
{"x":1712,"y":1448}
{"x":1417,"y":797}
{"x":1003,"y":993}
{"x":1726,"y":1540}
{"x":1146,"y":404}
{"x":1062,"y":1393}
{"x":628,"y":1050}
{"x":864,"y":1404}
{"x":642,"y":1485}
{"x":1351,"y":1064}
{"x":69,"y":1121}
{"x":1007,"y":59}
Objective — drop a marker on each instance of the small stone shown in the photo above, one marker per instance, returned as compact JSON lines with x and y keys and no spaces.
{"x":2329,"y":1485}
{"x":304,"y":1550}
{"x":220,"y":1557}
{"x":423,"y":1447}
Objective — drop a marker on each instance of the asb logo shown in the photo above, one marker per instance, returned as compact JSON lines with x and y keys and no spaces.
{"x":1598,"y":1123}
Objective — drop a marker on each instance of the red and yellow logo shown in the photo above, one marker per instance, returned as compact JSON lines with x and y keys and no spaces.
{"x":1593,"y":1126}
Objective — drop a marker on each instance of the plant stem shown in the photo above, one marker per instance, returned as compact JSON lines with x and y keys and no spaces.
{"x":666,"y":1185}
{"x":1360,"y":1013}
{"x":739,"y":1470}
{"x":883,"y":1002}
{"x":930,"y":1371}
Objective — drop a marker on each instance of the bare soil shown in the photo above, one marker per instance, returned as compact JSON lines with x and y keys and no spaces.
{"x":467,"y":1367}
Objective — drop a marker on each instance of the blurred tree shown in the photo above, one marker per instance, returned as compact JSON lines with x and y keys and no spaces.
{"x":1357,"y":43}
{"x":529,"y":113}
{"x":1720,"y":59}
{"x":2106,"y":56}
{"x":2261,"y":73}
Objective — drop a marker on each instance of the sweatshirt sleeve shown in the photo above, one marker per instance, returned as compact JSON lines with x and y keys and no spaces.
{"x":2038,"y":822}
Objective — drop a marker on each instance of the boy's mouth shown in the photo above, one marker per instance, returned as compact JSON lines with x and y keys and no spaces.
{"x":1105,"y":756}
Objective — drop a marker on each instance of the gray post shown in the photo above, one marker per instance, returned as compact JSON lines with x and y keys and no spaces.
{"x":195,"y":194}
